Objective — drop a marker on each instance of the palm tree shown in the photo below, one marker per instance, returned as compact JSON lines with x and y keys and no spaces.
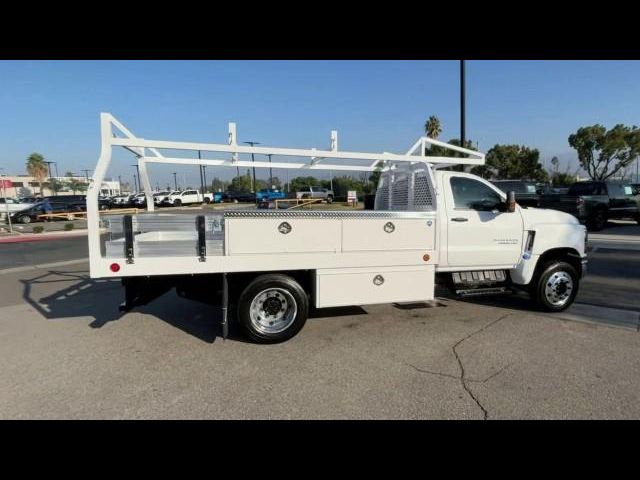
{"x":432,"y":127}
{"x":37,"y":168}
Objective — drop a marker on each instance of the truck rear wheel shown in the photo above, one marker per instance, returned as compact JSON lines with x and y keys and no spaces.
{"x":177,"y":203}
{"x":330,"y":199}
{"x":556,"y":287}
{"x":273,"y":308}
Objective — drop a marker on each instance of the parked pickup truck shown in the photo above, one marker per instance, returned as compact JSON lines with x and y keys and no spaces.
{"x":527,"y":192}
{"x":593,"y":203}
{"x":269,"y":195}
{"x":187,"y":197}
{"x":269,"y":267}
{"x":316,"y":192}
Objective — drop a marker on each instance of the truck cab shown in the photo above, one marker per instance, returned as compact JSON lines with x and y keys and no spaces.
{"x":485,"y":242}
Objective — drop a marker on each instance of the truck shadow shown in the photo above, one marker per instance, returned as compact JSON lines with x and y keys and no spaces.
{"x":77,"y":295}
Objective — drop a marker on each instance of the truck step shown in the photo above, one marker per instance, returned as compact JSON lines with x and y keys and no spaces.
{"x":476,"y":292}
{"x":479,"y":277}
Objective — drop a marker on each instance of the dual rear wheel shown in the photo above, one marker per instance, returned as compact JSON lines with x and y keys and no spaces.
{"x":272,"y":308}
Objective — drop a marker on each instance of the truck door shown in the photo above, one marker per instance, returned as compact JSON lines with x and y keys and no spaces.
{"x":480,"y":233}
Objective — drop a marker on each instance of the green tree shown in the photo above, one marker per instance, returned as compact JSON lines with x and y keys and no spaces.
{"x":76,"y":185}
{"x":297,"y":183}
{"x":515,"y":162}
{"x":241,"y":183}
{"x":438,"y":151}
{"x":602,"y":153}
{"x":218,"y":185}
{"x":432,"y":127}
{"x":37,"y":168}
{"x":55,"y":185}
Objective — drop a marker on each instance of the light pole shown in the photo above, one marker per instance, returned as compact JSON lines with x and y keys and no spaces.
{"x":138,"y":178}
{"x":55,"y":191}
{"x":462,"y":104}
{"x":119,"y":184}
{"x":253,"y":186}
{"x":175,"y":181}
{"x":270,"y":173}
{"x":201,"y":177}
{"x":86,"y":173}
{"x":204,"y":175}
{"x":135,"y":183}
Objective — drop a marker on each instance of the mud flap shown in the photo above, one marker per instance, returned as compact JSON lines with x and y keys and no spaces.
{"x":141,"y":290}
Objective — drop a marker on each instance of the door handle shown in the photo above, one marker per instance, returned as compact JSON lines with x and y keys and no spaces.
{"x":460,"y":219}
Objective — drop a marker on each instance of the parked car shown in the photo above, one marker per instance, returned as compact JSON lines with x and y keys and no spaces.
{"x":593,"y":203}
{"x":10,"y":204}
{"x":232,"y":196}
{"x":118,"y":201}
{"x":32,"y":213}
{"x":187,"y":197}
{"x":316,"y":192}
{"x":527,"y":191}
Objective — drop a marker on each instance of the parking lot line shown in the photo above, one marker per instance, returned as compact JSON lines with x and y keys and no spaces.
{"x":26,"y":268}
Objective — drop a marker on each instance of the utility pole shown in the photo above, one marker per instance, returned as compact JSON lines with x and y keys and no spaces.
{"x":138,"y":178}
{"x":462,"y":105}
{"x":253,"y":187}
{"x":175,"y":181}
{"x":204,"y":174}
{"x":201,"y":177}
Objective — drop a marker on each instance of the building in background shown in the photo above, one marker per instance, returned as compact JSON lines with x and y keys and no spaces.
{"x":27,"y":186}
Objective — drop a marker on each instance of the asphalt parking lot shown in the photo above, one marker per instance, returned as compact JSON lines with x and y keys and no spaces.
{"x":68,"y":353}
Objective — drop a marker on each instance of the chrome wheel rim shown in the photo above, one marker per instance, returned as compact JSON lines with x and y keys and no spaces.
{"x":558,"y":288}
{"x":272,"y":311}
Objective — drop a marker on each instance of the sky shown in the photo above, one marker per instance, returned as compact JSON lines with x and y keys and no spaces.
{"x":52,"y":107}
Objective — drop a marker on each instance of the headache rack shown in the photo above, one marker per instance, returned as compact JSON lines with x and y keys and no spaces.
{"x":407,"y":185}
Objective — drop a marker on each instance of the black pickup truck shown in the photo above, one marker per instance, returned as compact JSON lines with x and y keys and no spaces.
{"x":527,"y":192}
{"x":593,"y":203}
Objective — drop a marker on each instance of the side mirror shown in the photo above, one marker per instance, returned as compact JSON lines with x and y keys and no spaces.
{"x":511,"y":201}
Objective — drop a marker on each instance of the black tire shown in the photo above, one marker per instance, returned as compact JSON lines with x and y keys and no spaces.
{"x":330,"y":199}
{"x":597,"y":221}
{"x":542,"y":281}
{"x":24,"y":219}
{"x":296,"y":298}
{"x":177,"y":203}
{"x":207,"y":200}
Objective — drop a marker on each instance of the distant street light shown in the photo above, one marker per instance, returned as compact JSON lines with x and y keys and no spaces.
{"x":462,"y":104}
{"x":137,"y":185}
{"x":253,"y":186}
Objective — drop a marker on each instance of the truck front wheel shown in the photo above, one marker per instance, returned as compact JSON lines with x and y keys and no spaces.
{"x":597,"y":221}
{"x":273,"y":308}
{"x":556,"y":287}
{"x":177,"y":203}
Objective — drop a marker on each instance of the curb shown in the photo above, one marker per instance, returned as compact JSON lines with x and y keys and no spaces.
{"x":39,"y":237}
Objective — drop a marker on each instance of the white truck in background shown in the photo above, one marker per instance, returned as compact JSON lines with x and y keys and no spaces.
{"x":430,"y":226}
{"x":187,"y":197}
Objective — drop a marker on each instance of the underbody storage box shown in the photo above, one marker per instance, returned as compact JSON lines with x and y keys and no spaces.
{"x":337,"y":287}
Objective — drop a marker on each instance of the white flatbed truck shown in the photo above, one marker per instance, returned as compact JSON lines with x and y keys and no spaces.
{"x":429,"y":225}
